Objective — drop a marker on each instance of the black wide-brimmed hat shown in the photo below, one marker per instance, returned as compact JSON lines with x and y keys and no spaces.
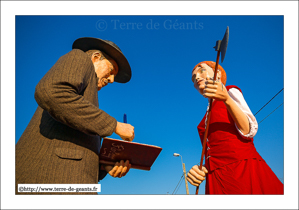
{"x":88,"y":43}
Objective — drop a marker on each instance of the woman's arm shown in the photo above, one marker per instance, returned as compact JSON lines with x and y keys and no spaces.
{"x":238,"y":115}
{"x":238,"y":98}
{"x":236,"y":105}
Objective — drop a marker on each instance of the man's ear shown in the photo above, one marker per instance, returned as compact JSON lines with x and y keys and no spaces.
{"x":96,"y":56}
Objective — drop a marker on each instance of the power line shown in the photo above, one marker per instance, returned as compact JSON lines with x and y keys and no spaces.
{"x":271,"y":113}
{"x":268,"y":102}
{"x":179,"y":186}
{"x":178,"y":183}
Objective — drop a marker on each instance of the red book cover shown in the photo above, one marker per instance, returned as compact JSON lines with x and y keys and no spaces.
{"x":141,"y":156}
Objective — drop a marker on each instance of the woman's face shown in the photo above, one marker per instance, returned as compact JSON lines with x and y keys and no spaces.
{"x":199,"y":76}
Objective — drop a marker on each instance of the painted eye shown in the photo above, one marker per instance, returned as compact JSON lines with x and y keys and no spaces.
{"x":193,"y":78}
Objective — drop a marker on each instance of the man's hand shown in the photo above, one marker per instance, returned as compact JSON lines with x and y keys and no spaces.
{"x":196,"y":176}
{"x":119,"y":170}
{"x":215,"y":90}
{"x":125,"y":131}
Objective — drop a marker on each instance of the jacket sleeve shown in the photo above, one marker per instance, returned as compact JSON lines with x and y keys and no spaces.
{"x":59,"y":93}
{"x":102,"y":174}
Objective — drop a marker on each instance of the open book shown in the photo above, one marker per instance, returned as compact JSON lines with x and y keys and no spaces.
{"x":141,"y":156}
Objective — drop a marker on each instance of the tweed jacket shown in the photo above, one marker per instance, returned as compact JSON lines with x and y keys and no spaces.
{"x":62,"y":141}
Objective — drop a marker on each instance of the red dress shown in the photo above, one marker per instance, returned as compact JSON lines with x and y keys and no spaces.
{"x":234,"y":165}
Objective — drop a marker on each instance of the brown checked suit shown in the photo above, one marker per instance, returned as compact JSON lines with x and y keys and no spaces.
{"x":62,"y":140}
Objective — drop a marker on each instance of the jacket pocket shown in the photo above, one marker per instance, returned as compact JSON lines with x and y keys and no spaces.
{"x":66,"y":153}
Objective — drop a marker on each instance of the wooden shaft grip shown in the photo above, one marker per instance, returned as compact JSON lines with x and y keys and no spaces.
{"x":208,"y":121}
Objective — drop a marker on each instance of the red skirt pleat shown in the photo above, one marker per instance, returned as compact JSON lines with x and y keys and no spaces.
{"x":249,"y":176}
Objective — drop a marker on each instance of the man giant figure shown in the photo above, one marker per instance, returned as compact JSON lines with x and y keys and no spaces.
{"x":62,"y":141}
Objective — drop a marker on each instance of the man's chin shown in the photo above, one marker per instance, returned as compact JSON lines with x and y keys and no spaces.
{"x":100,"y":86}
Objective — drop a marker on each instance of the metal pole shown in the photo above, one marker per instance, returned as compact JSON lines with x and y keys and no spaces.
{"x":187,"y":189}
{"x":184,"y":170}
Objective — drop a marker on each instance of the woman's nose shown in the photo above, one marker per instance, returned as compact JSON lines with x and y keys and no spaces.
{"x":198,"y":77}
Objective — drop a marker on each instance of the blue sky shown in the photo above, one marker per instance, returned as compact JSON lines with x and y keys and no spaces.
{"x":160,"y":100}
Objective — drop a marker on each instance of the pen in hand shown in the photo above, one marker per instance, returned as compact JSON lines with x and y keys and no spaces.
{"x":125,"y":118}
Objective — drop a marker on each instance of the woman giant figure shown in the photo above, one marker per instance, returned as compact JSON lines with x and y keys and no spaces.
{"x":232,"y":164}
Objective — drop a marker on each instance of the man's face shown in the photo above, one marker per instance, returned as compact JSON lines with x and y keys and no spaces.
{"x":106,"y":69}
{"x":200,"y":75}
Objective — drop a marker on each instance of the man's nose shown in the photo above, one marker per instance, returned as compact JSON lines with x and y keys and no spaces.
{"x":111,"y":78}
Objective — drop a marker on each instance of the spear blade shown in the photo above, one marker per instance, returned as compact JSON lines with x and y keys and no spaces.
{"x":224,"y":44}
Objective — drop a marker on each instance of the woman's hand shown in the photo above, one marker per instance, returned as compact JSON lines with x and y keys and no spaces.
{"x":216,"y":90}
{"x":196,"y":176}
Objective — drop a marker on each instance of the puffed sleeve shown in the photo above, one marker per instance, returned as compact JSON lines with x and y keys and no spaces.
{"x":237,"y":96}
{"x":60,"y":93}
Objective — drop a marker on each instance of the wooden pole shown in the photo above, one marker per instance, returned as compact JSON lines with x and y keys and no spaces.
{"x":208,"y":121}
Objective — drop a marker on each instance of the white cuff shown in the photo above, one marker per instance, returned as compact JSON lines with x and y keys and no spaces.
{"x":253,"y":129}
{"x":237,"y":96}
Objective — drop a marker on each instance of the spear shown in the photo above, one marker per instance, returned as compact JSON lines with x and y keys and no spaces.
{"x":221,"y":46}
